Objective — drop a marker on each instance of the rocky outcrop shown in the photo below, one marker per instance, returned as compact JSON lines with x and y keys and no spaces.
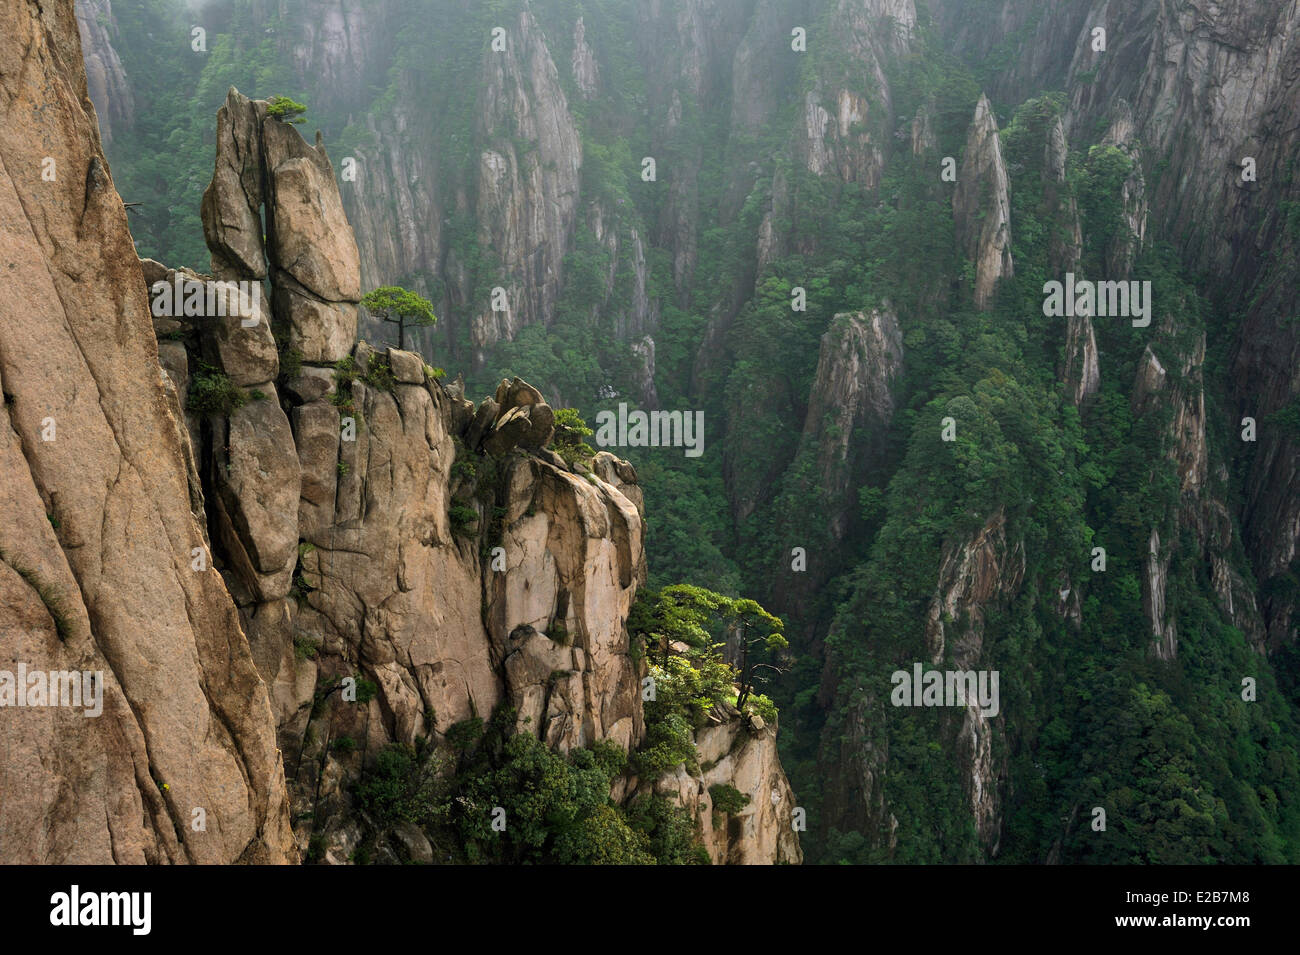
{"x":1082,"y":374}
{"x":396,"y":588}
{"x":850,"y":407}
{"x":923,"y":138}
{"x":1082,"y":371}
{"x":402,"y":560}
{"x":982,"y":207}
{"x":1123,"y":249}
{"x":455,"y":580}
{"x":1164,"y":630}
{"x":572,"y":569}
{"x":104,"y":565}
{"x":845,"y":127}
{"x":450,"y":580}
{"x":273,"y":210}
{"x":739,"y":752}
{"x":973,"y":574}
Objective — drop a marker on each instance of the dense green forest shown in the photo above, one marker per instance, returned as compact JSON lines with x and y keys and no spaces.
{"x":1187,"y":770}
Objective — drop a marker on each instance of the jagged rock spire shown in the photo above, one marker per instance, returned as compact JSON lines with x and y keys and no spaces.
{"x":273,"y":210}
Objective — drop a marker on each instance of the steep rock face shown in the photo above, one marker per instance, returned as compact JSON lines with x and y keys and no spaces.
{"x":397,"y":213}
{"x":517,"y":193}
{"x":1082,"y":371}
{"x":981,"y":205}
{"x":102,"y":559}
{"x":1205,"y":81}
{"x":1149,"y":390}
{"x":984,"y":570}
{"x":106,"y":80}
{"x":922,"y":131}
{"x":853,"y":391}
{"x":1164,"y":630}
{"x":643,"y":352}
{"x":829,"y":146}
{"x":1066,"y":240}
{"x":1265,"y":380}
{"x":390,"y":590}
{"x":971,"y":575}
{"x":762,"y":68}
{"x":850,"y":407}
{"x":526,"y":201}
{"x":1123,"y":249}
{"x":855,"y":763}
{"x":1214,"y":83}
{"x":630,"y":311}
{"x":1186,"y":446}
{"x":843,"y":133}
{"x":1055,"y":39}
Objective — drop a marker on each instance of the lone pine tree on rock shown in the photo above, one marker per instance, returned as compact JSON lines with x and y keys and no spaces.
{"x":401,"y":307}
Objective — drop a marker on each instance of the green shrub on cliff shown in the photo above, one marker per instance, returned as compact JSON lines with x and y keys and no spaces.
{"x":213,"y":393}
{"x":727,"y":798}
{"x":506,"y":797}
{"x":570,"y":432}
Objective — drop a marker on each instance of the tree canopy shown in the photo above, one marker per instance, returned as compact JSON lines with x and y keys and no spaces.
{"x":401,"y":307}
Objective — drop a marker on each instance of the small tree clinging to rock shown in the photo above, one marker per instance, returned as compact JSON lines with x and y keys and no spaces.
{"x":570,"y":430}
{"x":401,"y":307}
{"x":693,"y":618}
{"x":285,"y":109}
